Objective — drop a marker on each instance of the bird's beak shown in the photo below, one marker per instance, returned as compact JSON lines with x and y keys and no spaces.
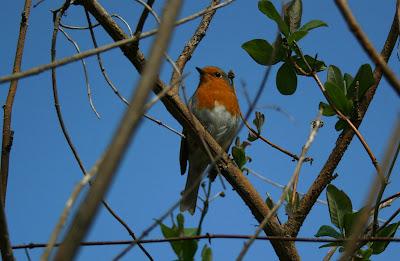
{"x":200,"y":70}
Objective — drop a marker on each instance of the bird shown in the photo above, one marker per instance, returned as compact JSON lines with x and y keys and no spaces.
{"x":215,"y":105}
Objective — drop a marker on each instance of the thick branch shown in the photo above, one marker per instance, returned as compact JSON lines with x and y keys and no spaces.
{"x":178,"y":109}
{"x":325,"y":176}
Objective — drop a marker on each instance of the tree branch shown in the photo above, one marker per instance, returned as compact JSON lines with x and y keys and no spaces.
{"x":7,"y":132}
{"x":367,"y":45}
{"x":5,"y":245}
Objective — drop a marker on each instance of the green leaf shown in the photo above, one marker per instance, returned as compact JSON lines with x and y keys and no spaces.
{"x":286,"y":79}
{"x":328,"y":231}
{"x":335,"y":76}
{"x":338,"y":98}
{"x":389,"y":231}
{"x":340,"y":125}
{"x":326,"y":109}
{"x":251,"y":137}
{"x":296,"y":36}
{"x":348,"y":220}
{"x":172,"y":232}
{"x":348,"y":80}
{"x":280,"y":50}
{"x":312,"y":25}
{"x":292,"y":14}
{"x":180,"y":219}
{"x":239,"y":156}
{"x":339,"y":204}
{"x":260,"y":50}
{"x":365,"y":78}
{"x":316,"y":65}
{"x":206,"y":254}
{"x":267,"y":8}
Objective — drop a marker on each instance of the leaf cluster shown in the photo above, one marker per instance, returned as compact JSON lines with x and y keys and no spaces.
{"x":343,"y":218}
{"x":185,"y":249}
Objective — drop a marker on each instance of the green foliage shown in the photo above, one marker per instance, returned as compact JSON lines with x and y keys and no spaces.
{"x":343,"y":89}
{"x":292,"y":14}
{"x":263,"y":53}
{"x":239,"y":153}
{"x":206,"y":254}
{"x":291,"y":206}
{"x":186,"y":249}
{"x":343,"y":217}
{"x":286,"y":79}
{"x":339,"y":204}
{"x":328,"y":231}
{"x":389,"y":231}
{"x":267,"y":8}
{"x":260,"y":50}
{"x":258,"y":122}
{"x":312,"y":25}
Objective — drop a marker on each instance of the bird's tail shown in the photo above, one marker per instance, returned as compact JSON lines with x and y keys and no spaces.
{"x":189,"y":195}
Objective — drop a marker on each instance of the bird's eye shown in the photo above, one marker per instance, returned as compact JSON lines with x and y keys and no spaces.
{"x":217,"y":74}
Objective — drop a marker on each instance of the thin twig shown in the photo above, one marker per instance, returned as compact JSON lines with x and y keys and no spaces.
{"x":7,"y":137}
{"x":295,"y":175}
{"x":362,"y":38}
{"x":120,"y":141}
{"x":390,"y":219}
{"x":111,"y":84}
{"x":217,"y":236}
{"x":88,"y":89}
{"x":104,"y":48}
{"x":258,"y":135}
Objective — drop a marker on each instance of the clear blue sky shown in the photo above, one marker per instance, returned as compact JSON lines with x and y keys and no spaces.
{"x":43,"y":171}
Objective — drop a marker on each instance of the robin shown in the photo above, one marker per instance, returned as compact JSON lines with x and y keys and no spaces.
{"x":216,"y":106}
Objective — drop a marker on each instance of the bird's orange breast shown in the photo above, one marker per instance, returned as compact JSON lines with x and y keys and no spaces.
{"x":217,"y":92}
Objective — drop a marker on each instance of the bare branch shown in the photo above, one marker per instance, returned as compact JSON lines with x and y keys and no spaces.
{"x":5,"y":244}
{"x":7,"y":138}
{"x":367,"y":45}
{"x":217,"y":236}
{"x":88,"y":89}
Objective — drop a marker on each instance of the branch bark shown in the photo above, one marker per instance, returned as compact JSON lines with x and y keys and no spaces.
{"x":294,"y":223}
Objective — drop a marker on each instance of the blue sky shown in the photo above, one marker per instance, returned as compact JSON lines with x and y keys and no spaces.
{"x":43,"y":171}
